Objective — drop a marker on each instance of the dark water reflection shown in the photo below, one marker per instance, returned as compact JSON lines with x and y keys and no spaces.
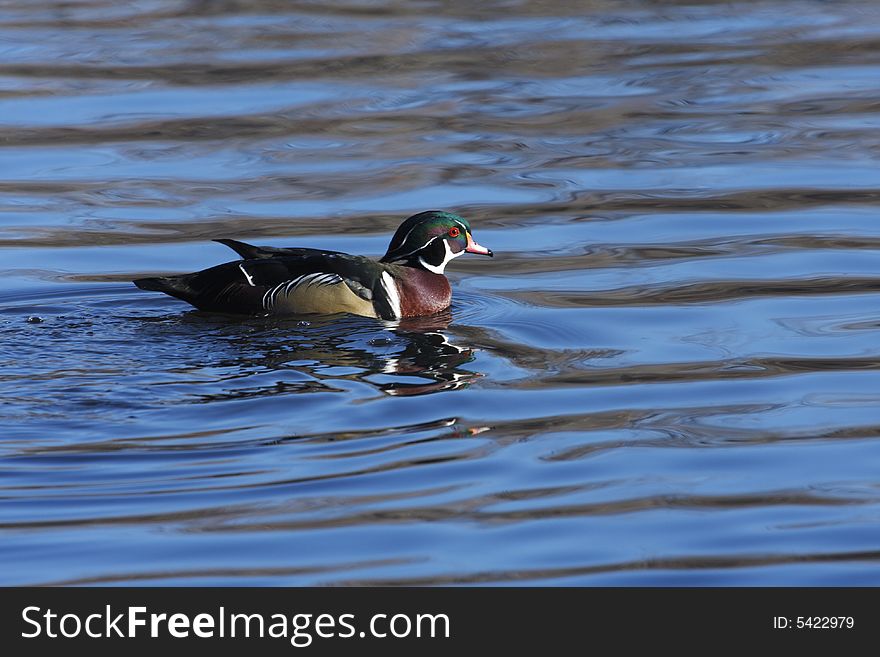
{"x":667,"y":375}
{"x":414,"y":356}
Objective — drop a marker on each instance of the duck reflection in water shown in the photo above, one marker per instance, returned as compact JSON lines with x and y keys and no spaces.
{"x":404,"y":358}
{"x":427,"y":353}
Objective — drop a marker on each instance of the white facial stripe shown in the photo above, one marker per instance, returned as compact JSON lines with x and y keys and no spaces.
{"x":404,"y":256}
{"x":438,"y":269}
{"x":407,"y":255}
{"x":430,"y":267}
{"x":406,"y":237}
{"x":393,"y":295}
{"x":408,"y":233}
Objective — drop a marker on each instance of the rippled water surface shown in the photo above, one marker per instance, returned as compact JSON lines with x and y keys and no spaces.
{"x":669,"y":373}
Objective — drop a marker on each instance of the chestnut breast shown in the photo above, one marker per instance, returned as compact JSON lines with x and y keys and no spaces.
{"x":422,"y":292}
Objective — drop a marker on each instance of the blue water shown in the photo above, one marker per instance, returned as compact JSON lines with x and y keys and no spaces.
{"x":668,"y":375}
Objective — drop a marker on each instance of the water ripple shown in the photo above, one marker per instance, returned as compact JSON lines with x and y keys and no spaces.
{"x":665,"y":376}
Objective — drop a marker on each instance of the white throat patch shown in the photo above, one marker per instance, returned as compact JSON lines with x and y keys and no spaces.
{"x":438,"y":269}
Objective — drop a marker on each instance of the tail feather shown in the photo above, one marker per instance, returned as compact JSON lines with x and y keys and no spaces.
{"x":219,"y":289}
{"x":176,"y":286}
{"x":157,"y":284}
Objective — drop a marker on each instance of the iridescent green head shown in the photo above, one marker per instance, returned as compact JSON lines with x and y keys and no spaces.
{"x":429,"y":240}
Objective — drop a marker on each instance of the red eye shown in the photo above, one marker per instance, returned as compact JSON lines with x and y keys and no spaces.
{"x":454,"y":232}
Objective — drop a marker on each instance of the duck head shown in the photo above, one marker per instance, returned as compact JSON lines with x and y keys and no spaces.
{"x":429,"y":240}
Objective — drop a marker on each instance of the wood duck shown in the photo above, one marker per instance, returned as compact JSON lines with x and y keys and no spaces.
{"x":407,"y":281}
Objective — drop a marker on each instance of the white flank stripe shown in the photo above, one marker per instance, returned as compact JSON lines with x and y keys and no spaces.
{"x":270,"y":299}
{"x":249,"y":278}
{"x":393,"y":295}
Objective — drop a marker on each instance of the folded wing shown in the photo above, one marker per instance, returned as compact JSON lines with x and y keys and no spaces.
{"x":272,"y":280}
